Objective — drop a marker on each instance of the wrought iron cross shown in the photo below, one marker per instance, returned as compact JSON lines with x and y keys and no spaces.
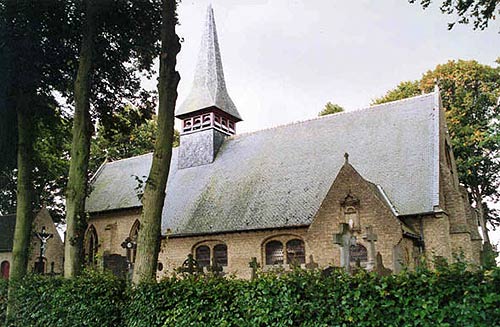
{"x":345,"y":239}
{"x":190,"y":265}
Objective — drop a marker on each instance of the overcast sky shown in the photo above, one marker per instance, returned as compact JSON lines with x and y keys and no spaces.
{"x":284,"y":59}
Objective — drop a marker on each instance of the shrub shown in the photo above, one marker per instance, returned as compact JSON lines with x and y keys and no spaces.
{"x":450,"y":296}
{"x":93,"y":299}
{"x":3,"y":300}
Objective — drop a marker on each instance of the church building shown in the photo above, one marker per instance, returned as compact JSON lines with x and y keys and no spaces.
{"x":384,"y":176}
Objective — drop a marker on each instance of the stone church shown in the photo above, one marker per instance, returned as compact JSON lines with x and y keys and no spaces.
{"x":384,"y":176}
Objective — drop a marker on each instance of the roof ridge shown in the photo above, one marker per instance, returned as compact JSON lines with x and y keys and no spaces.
{"x":123,"y":159}
{"x":350,"y":112}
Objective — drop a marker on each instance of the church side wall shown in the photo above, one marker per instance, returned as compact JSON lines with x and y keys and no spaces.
{"x":463,"y":232}
{"x":437,"y":237}
{"x":241,"y":248}
{"x":112,"y":229}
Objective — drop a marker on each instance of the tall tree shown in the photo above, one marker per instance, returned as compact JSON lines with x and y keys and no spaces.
{"x":470,"y":93}
{"x":480,"y":12}
{"x":31,"y":68}
{"x":80,"y":147}
{"x":119,"y":39}
{"x":148,"y":244}
{"x":330,"y":108}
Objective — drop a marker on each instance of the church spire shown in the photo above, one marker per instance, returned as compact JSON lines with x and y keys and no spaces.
{"x":209,"y":93}
{"x":208,"y":114}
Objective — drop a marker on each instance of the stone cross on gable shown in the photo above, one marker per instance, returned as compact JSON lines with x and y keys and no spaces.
{"x":254,"y":265}
{"x":344,"y":239}
{"x":371,"y":238}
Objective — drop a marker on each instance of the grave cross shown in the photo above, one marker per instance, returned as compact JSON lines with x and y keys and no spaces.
{"x":190,"y":265}
{"x":43,"y":236}
{"x":371,"y":238}
{"x":345,"y":239}
{"x":254,"y":265}
{"x":216,"y":269}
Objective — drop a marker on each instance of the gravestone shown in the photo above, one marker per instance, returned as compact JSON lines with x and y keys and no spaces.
{"x":311,"y":265}
{"x":397,"y":258}
{"x":381,"y":270}
{"x":117,"y":264}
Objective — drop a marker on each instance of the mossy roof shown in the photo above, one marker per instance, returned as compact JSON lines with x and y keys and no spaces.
{"x":278,"y":177}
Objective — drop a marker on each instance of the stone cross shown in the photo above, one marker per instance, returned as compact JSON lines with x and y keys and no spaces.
{"x":345,"y":239}
{"x":371,"y":238}
{"x":254,"y":265}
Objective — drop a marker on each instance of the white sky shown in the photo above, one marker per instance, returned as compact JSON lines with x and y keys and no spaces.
{"x":284,"y":59}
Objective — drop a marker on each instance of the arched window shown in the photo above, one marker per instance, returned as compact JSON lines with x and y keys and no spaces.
{"x":202,"y":255}
{"x":220,"y":254}
{"x":295,"y":252}
{"x":274,"y":253}
{"x":91,"y":245}
{"x":134,"y":233}
{"x":5,"y":270}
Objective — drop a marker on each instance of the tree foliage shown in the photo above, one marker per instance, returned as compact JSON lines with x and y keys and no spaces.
{"x":133,"y":133}
{"x":470,"y":93}
{"x":31,"y":58}
{"x":404,"y":90}
{"x":330,"y":108}
{"x":479,"y":12}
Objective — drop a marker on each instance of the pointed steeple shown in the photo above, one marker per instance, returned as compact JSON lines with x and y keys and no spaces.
{"x":208,"y":114}
{"x":209,"y":88}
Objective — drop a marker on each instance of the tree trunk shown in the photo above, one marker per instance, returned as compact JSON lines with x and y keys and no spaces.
{"x":148,"y":243}
{"x":80,"y":148}
{"x":24,"y":211}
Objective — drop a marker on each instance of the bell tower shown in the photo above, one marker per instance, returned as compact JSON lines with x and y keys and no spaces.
{"x":208,"y":114}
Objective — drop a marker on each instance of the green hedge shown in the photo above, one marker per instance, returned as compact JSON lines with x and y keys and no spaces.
{"x":3,"y":300}
{"x":94,"y":299}
{"x":450,"y":297}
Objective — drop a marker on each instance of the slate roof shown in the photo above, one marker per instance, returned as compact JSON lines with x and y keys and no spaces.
{"x":209,"y":86}
{"x":278,"y":177}
{"x":7,"y":225}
